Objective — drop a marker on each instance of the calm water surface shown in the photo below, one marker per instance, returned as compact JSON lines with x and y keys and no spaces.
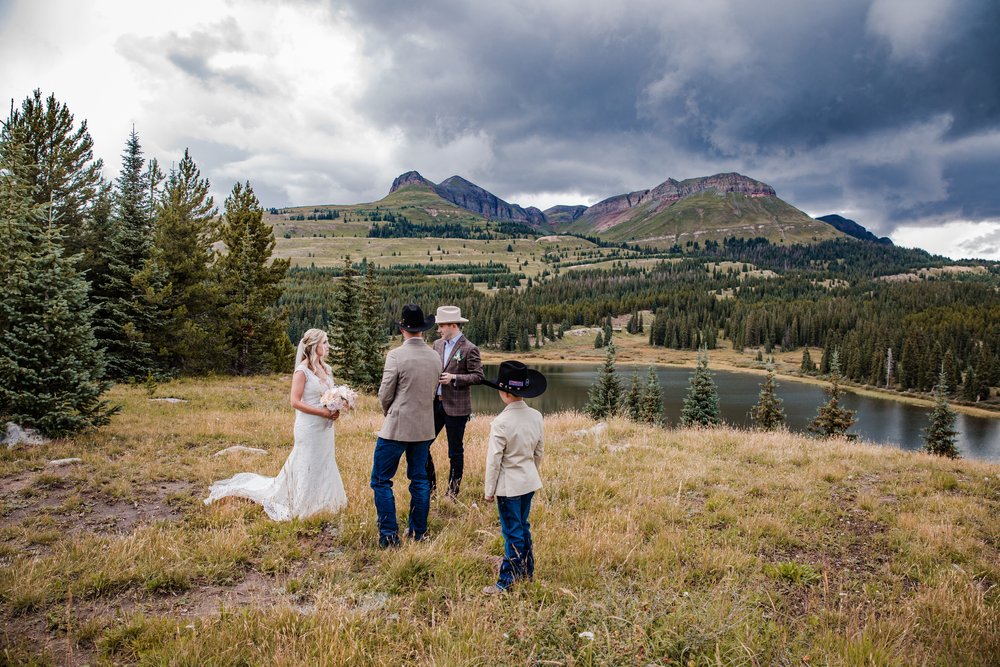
{"x":878,"y":420}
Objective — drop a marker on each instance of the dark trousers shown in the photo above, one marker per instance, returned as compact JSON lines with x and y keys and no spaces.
{"x":387,"y":455}
{"x":518,"y":555}
{"x":455,"y":430}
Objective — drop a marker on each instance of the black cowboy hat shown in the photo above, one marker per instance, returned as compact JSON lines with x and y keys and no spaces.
{"x":413,"y":319}
{"x":516,"y":378}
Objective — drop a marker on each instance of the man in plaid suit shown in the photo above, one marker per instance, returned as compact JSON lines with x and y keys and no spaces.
{"x":453,"y":402}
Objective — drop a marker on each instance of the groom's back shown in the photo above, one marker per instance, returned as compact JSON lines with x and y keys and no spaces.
{"x":409,"y":382}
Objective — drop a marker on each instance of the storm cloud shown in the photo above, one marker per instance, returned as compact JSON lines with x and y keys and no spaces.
{"x":884,"y":111}
{"x":877,"y":109}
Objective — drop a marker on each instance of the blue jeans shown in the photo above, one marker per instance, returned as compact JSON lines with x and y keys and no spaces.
{"x":518,"y":555}
{"x":386,"y":461}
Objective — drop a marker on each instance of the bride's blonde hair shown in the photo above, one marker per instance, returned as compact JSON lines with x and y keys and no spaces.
{"x":308,"y":353}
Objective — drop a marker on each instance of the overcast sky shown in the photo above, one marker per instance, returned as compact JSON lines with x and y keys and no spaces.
{"x":884,"y":111}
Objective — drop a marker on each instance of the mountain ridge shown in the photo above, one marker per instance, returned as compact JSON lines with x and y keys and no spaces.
{"x":851,"y":228}
{"x":670,"y":213}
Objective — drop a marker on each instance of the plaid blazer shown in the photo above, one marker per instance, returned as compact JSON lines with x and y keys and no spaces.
{"x":456,"y":397}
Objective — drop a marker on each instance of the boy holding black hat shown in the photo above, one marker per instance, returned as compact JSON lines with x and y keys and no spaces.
{"x":513,"y":455}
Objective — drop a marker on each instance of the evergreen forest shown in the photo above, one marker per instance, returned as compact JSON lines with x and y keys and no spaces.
{"x":145,"y":277}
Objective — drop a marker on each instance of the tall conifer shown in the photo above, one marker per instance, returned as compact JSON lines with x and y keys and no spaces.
{"x":116,"y":247}
{"x":374,"y":338}
{"x":633,"y":399}
{"x":345,"y":329}
{"x":833,"y":419}
{"x":60,"y":167}
{"x":768,"y":414}
{"x":652,"y":399}
{"x":939,"y":436}
{"x":701,"y":405}
{"x":50,"y":365}
{"x":178,"y":279}
{"x":605,"y":397}
{"x":255,"y":330}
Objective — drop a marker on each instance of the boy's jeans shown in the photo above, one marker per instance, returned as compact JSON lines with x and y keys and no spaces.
{"x":518,"y":556}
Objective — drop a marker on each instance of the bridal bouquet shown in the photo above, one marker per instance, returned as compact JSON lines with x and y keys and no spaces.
{"x":340,"y":398}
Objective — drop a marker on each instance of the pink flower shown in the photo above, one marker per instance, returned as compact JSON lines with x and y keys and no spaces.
{"x":339,"y":398}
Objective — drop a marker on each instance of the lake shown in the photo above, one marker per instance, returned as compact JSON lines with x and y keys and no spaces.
{"x":879,"y":420}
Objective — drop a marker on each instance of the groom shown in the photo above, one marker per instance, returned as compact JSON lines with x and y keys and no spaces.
{"x":409,"y":381}
{"x":453,"y":403}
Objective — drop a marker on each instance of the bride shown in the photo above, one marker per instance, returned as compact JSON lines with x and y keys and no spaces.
{"x":310,"y":481}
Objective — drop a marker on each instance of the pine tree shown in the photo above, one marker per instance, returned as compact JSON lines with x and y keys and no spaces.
{"x":116,"y":246}
{"x":833,"y":420}
{"x":768,"y":414}
{"x":178,"y":280}
{"x":939,"y":436}
{"x":970,"y":385}
{"x":701,"y":405}
{"x":605,"y":397}
{"x":599,"y":341}
{"x":50,"y":364}
{"x":523,"y":345}
{"x":255,"y":330}
{"x":345,"y":344}
{"x":633,"y":399}
{"x":59,"y":168}
{"x":652,"y":399}
{"x":373,"y":332}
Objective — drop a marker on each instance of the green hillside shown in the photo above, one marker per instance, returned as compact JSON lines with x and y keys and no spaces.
{"x":711,"y":215}
{"x":417,"y":204}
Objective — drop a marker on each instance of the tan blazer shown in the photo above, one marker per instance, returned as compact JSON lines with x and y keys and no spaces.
{"x":409,"y":382}
{"x":456,"y":397}
{"x":514,"y":452}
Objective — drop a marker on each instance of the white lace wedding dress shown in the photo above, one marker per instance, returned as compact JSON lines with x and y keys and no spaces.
{"x":309,"y":482}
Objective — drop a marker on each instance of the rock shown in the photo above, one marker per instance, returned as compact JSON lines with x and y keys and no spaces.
{"x":595,"y":431}
{"x":64,"y":462}
{"x":169,"y":399}
{"x":15,"y":435}
{"x":240,"y":448}
{"x":372,"y":602}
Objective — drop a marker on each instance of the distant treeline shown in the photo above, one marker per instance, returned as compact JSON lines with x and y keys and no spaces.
{"x":398,"y":226}
{"x":828,"y":296}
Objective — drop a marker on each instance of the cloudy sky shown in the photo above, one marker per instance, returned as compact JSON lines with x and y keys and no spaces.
{"x":885,"y":111}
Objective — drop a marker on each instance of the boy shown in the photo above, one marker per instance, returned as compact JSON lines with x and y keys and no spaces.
{"x":513,"y":455}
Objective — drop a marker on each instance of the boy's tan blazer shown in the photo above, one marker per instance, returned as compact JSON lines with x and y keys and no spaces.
{"x":514,"y":451}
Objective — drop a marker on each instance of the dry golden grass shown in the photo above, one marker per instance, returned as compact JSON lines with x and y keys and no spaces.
{"x":701,"y":547}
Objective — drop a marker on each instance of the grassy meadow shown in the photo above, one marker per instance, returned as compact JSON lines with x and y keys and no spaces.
{"x":653,"y":546}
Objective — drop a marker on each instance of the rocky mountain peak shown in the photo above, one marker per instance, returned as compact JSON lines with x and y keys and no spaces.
{"x":410,"y":178}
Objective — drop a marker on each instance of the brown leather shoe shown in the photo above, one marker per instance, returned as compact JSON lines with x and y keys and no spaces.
{"x":494,"y":590}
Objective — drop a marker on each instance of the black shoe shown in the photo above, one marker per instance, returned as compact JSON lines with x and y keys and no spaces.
{"x":416,"y":538}
{"x":388,"y":541}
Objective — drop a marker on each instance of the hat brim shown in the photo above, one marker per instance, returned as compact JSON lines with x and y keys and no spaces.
{"x":536,"y":386}
{"x":456,"y":320}
{"x":428,"y":323}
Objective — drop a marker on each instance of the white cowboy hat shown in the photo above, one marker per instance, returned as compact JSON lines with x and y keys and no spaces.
{"x":449,"y":315}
